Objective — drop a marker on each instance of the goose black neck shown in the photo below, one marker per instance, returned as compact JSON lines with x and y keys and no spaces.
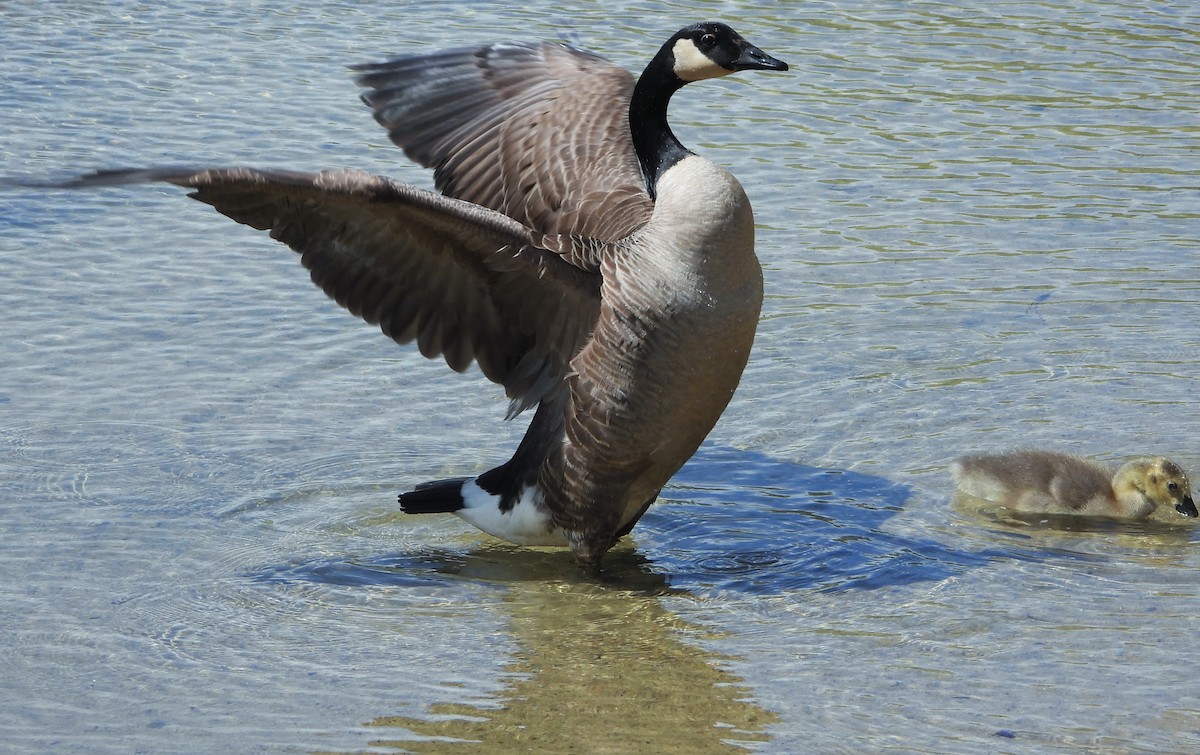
{"x":656,"y":146}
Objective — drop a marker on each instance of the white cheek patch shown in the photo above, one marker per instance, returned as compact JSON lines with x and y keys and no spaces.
{"x":693,"y":65}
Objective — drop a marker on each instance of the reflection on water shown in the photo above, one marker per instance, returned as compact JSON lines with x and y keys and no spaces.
{"x":599,"y":669}
{"x":1162,"y":528}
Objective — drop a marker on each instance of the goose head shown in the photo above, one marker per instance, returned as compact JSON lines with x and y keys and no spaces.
{"x":710,"y":50}
{"x":694,"y":53}
{"x":1161,"y":482}
{"x":698,"y":52}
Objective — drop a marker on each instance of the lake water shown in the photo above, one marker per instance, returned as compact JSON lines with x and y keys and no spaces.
{"x":980,"y":225}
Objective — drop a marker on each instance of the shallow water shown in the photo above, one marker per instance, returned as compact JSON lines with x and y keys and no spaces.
{"x":979,"y":227}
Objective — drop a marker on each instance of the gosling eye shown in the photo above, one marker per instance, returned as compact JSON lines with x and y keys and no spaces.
{"x":1173,"y":487}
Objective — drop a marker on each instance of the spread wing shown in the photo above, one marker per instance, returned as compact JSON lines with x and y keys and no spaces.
{"x":461,"y":280}
{"x":539,"y":132}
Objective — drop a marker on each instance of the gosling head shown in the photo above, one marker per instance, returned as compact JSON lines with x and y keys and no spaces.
{"x":709,"y":50}
{"x":1161,"y":482}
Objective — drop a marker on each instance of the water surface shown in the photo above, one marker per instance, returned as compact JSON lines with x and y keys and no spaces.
{"x":979,"y":228}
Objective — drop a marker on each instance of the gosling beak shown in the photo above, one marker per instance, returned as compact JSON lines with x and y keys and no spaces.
{"x":1186,"y":507}
{"x":754,"y":59}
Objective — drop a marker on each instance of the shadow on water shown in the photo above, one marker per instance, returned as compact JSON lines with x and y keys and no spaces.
{"x":744,"y":522}
{"x":732,"y":520}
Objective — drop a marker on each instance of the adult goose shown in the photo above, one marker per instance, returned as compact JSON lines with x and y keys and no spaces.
{"x":578,"y":253}
{"x":1049,"y":482}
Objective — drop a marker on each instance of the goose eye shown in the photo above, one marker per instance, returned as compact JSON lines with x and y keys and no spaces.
{"x":708,"y":40}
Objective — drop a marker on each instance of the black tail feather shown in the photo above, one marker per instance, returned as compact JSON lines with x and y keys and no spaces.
{"x":437,"y":497}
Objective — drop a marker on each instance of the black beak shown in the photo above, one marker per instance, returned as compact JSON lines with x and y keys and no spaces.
{"x":1187,"y":507}
{"x":754,"y":59}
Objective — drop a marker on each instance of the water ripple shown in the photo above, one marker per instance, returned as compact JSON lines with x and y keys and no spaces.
{"x":979,"y":228}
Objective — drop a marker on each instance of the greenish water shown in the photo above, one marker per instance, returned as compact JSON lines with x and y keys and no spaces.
{"x":979,"y":227}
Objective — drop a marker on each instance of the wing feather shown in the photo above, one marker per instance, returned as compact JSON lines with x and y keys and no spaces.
{"x":464,"y":282}
{"x":538,"y":132}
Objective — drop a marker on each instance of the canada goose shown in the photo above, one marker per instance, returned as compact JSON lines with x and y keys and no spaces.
{"x":578,"y":253}
{"x":1048,"y":482}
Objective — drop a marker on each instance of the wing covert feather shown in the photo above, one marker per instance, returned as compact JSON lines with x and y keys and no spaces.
{"x":538,"y":132}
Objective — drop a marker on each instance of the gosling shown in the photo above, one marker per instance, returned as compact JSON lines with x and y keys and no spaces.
{"x":1048,"y":482}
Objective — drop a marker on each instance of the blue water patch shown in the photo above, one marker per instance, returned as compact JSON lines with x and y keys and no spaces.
{"x":747,"y":522}
{"x":19,"y":213}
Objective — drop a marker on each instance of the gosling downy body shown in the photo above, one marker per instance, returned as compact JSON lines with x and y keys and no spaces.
{"x":1049,"y":482}
{"x":577,"y":253}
